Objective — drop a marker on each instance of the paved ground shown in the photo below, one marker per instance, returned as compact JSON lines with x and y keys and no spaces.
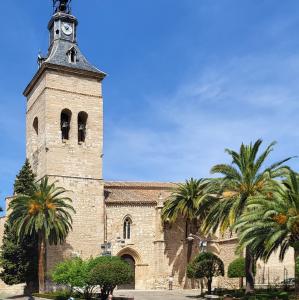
{"x":157,"y":295}
{"x":142,"y":295}
{"x":160,"y":295}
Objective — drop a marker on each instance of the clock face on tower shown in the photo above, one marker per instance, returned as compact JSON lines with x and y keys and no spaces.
{"x":67,"y":29}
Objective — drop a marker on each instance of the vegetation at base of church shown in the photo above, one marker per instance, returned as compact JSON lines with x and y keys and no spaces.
{"x":85,"y":276}
{"x":271,"y":223}
{"x":58,"y":295}
{"x":206,"y":265}
{"x":110,"y":272}
{"x":18,"y":258}
{"x":244,"y":179}
{"x":46,"y":213}
{"x":236,"y":269}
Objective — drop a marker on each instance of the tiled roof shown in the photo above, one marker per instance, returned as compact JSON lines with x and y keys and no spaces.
{"x":137,"y":192}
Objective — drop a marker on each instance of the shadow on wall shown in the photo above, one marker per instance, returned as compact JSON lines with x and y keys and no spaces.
{"x":176,"y":250}
{"x":55,"y":255}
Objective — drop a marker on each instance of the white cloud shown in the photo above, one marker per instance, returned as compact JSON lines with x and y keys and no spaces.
{"x":240,"y":101}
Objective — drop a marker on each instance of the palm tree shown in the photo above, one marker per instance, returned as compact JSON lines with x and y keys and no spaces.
{"x":45,"y":213}
{"x":271,"y":223}
{"x":242,"y":180}
{"x":184,"y":203}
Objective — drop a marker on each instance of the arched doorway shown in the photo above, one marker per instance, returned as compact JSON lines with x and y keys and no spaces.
{"x":131,"y":261}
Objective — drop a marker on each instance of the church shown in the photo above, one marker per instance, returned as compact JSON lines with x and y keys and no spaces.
{"x":64,"y":141}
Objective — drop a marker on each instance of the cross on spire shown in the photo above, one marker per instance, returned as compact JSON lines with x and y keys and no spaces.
{"x":62,"y":6}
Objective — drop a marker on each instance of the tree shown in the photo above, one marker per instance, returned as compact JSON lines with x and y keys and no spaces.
{"x":110,"y":272}
{"x":19,"y":258}
{"x":236,"y":269}
{"x":184,"y":202}
{"x":206,"y":265}
{"x":242,"y":180}
{"x":46,"y":213}
{"x":75,"y":273}
{"x":85,"y":276}
{"x":24,"y":181}
{"x":272,"y":223}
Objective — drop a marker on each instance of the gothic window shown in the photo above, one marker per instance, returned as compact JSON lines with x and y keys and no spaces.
{"x":82,"y":122}
{"x":127,"y":228}
{"x":72,"y":55}
{"x":65,"y":124}
{"x":35,"y":125}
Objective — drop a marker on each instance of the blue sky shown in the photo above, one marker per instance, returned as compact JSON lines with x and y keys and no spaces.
{"x":187,"y":78}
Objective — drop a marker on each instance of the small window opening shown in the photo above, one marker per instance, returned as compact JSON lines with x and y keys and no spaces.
{"x":82,"y":121}
{"x":72,"y":54}
{"x":35,"y":125}
{"x":127,"y":228}
{"x":65,"y":123}
{"x":57,"y":31}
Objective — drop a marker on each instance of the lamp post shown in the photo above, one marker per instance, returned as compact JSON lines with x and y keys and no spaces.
{"x":203,"y":242}
{"x":107,"y":246}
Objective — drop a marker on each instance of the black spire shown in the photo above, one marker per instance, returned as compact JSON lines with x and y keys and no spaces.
{"x":62,"y":6}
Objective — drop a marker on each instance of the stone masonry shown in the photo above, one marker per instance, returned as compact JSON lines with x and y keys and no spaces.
{"x":107,"y":211}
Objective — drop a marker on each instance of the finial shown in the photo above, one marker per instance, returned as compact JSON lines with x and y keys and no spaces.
{"x":62,"y":6}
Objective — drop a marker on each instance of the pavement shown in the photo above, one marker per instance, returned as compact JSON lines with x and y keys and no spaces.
{"x":139,"y":295}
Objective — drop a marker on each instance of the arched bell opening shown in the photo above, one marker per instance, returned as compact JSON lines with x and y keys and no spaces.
{"x":82,"y":124}
{"x":65,"y":124}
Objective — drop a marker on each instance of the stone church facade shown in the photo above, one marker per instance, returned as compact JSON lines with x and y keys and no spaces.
{"x":64,"y":134}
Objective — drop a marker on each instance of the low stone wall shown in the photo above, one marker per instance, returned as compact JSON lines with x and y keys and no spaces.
{"x":12,"y":290}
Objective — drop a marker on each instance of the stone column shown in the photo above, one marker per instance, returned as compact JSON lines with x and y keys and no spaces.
{"x":159,"y":242}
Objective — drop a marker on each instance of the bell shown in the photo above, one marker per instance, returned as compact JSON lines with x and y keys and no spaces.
{"x":65,"y":124}
{"x":81,"y":127}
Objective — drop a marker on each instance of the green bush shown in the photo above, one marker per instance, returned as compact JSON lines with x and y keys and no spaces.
{"x":206,"y":265}
{"x":110,"y":272}
{"x":79,"y":275}
{"x":59,"y":295}
{"x":236,"y":268}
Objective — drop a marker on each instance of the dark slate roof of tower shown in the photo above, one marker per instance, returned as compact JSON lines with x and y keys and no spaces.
{"x":58,"y":56}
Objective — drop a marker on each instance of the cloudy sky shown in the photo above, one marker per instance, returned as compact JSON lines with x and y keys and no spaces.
{"x":187,"y":78}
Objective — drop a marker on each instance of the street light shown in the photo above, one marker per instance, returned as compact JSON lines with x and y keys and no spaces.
{"x":107,"y":246}
{"x":203,"y":242}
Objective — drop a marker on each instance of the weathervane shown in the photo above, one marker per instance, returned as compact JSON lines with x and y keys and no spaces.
{"x":62,"y":6}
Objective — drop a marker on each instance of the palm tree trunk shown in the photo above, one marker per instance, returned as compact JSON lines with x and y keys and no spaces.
{"x":41,"y":261}
{"x":249,"y":264}
{"x":296,"y":256}
{"x":210,"y":286}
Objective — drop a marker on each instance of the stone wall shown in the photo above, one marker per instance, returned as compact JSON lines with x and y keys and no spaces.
{"x":74,"y":165}
{"x":157,"y":255}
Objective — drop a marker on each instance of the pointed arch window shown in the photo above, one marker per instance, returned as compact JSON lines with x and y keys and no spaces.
{"x":127,"y":228}
{"x":82,"y":123}
{"x":65,"y":124}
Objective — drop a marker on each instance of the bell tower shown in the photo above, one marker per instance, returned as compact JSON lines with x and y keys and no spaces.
{"x":64,"y":131}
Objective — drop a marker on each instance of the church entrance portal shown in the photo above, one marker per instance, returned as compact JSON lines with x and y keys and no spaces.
{"x":131,"y":261}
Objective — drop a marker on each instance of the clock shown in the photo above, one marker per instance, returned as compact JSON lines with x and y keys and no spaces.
{"x":67,"y":29}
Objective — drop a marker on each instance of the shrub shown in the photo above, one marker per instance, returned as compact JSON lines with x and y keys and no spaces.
{"x":206,"y":265}
{"x":85,"y":276}
{"x":59,"y":295}
{"x":236,"y":268}
{"x":110,"y":272}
